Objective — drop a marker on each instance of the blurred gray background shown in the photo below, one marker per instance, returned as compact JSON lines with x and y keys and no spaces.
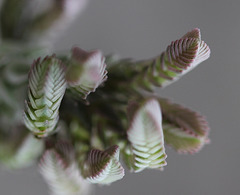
{"x":142,"y":29}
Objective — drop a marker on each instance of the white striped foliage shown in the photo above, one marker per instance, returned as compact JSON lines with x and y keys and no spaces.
{"x":184,"y":130}
{"x":146,"y":138}
{"x":103,"y":167}
{"x":47,"y":86}
{"x":180,"y":57}
{"x":86,"y":71}
{"x":62,"y":177}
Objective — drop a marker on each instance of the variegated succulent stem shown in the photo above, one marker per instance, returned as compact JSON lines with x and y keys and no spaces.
{"x":146,"y":137}
{"x":46,"y":89}
{"x":103,"y":167}
{"x":62,"y":174}
{"x":180,"y":57}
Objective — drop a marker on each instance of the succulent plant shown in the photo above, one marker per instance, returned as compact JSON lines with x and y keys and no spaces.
{"x":86,"y":111}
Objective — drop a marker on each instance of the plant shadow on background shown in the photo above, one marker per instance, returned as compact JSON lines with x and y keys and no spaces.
{"x":77,"y":114}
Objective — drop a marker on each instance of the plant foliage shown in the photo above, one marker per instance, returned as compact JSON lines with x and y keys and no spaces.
{"x":86,"y":71}
{"x":103,"y":167}
{"x":46,"y":89}
{"x":185,"y":130}
{"x":63,"y":178}
{"x":146,"y":137}
{"x":84,"y":111}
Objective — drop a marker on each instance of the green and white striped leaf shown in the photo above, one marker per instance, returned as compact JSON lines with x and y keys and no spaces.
{"x":62,"y":178}
{"x":46,"y":89}
{"x":146,"y":138}
{"x":86,"y":72}
{"x":103,"y":167}
{"x":180,"y":57}
{"x":185,"y":130}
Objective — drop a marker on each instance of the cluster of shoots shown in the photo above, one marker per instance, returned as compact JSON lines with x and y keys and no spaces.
{"x":77,"y":115}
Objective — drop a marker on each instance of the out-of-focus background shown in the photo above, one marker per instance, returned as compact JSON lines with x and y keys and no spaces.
{"x":142,"y":29}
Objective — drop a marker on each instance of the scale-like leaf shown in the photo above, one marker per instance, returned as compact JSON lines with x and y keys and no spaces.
{"x":180,"y":57}
{"x":86,"y":71}
{"x":185,"y":130}
{"x":146,"y":137}
{"x":63,"y":178}
{"x":46,"y":89}
{"x":103,"y":167}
